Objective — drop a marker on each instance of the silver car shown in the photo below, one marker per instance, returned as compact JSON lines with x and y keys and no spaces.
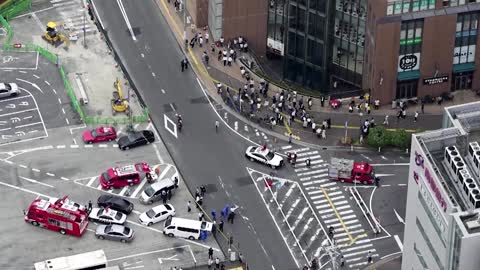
{"x":9,"y":90}
{"x":115,"y":232}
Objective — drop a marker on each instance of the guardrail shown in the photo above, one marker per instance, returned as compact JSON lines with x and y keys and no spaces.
{"x":88,"y":120}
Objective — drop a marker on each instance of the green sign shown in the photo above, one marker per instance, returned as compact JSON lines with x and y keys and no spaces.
{"x":411,"y":41}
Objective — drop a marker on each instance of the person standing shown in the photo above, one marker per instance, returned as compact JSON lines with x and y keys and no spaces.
{"x":189,"y":208}
{"x":322,"y":101}
{"x":220,"y":225}
{"x":342,"y":261}
{"x":385,"y":122}
{"x":210,"y":253}
{"x":231,"y":217}
{"x":415,"y":117}
{"x":217,"y":263}
{"x":369,"y":256}
{"x":182,"y":65}
{"x":207,"y":36}
{"x":423,"y":107}
{"x":214,"y":214}
{"x":324,"y":134}
{"x":200,"y":216}
{"x":290,"y":136}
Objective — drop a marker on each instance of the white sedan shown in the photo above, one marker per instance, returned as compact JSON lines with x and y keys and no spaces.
{"x":9,"y":90}
{"x":157,"y":214}
{"x":107,"y":216}
{"x":265,"y":156}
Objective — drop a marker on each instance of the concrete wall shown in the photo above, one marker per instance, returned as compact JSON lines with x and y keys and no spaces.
{"x":215,"y":18}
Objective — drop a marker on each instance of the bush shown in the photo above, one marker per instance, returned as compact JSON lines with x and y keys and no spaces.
{"x":401,"y":139}
{"x":378,"y":137}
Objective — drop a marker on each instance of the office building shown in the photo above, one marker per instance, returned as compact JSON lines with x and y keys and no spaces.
{"x":442,"y":224}
{"x":416,"y":48}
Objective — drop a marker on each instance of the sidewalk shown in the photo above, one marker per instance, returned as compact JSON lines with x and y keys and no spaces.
{"x":230,"y":76}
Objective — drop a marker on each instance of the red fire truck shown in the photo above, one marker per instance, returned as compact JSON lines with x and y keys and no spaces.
{"x":346,"y":170}
{"x":62,"y":215}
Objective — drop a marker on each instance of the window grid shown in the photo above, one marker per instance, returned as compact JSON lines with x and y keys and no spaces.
{"x":429,"y":244}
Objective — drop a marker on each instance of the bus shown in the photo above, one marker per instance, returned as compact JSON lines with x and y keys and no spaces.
{"x":89,"y":260}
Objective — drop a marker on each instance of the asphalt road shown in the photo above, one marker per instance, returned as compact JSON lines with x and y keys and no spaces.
{"x":203,"y":157}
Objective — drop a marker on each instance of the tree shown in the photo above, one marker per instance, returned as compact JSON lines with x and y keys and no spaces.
{"x":378,"y":137}
{"x":401,"y":138}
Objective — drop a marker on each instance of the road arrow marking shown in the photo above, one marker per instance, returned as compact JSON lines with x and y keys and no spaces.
{"x":171,"y":258}
{"x":10,"y":106}
{"x":399,"y":217}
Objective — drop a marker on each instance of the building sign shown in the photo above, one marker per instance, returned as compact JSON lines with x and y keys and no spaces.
{"x":419,"y":161}
{"x":464,"y":54}
{"x":408,"y":62}
{"x":435,"y":80}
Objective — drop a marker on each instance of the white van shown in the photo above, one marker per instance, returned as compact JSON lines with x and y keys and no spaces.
{"x":186,"y":228}
{"x":153,"y":192}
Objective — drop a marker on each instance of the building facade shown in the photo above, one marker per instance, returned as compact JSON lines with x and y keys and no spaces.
{"x":442,"y":224}
{"x":416,"y":48}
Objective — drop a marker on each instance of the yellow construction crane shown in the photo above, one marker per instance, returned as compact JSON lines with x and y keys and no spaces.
{"x":119,"y":103}
{"x":53,"y":36}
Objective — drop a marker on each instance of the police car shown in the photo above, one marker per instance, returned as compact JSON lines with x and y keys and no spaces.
{"x":107,"y":216}
{"x":264,"y":155}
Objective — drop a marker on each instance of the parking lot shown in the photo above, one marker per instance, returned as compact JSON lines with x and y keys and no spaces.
{"x":58,"y":170}
{"x":42,"y":103}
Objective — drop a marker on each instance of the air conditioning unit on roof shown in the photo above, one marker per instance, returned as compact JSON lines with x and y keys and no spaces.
{"x":467,"y":185}
{"x":463,"y":174}
{"x":473,"y":147}
{"x":457,"y":164}
{"x":450,"y":152}
{"x":474,"y":197}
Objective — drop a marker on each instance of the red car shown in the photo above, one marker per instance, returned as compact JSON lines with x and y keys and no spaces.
{"x":100,"y":134}
{"x":129,"y":175}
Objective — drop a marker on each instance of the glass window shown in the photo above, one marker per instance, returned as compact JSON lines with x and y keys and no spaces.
{"x":429,"y":244}
{"x":390,"y":9}
{"x":415,"y":5}
{"x":403,"y":34}
{"x":291,"y":43}
{"x":301,"y":20}
{"x":292,"y":22}
{"x":312,"y":18}
{"x":321,"y":5}
{"x":319,"y":27}
{"x":418,"y":32}
{"x":301,"y":2}
{"x":300,"y":47}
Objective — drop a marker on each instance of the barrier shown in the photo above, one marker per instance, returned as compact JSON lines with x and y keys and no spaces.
{"x":12,"y":8}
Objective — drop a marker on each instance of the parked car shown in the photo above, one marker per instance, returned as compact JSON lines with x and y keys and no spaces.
{"x":157,"y":214}
{"x":115,"y":232}
{"x":9,"y":90}
{"x":100,"y":134}
{"x":264,"y":155}
{"x":136,"y":139}
{"x":107,"y":216}
{"x":153,"y":192}
{"x":115,"y":203}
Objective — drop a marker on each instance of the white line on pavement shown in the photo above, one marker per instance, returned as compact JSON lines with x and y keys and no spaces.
{"x":35,"y":181}
{"x":90,"y":182}
{"x":64,"y":178}
{"x":399,"y":243}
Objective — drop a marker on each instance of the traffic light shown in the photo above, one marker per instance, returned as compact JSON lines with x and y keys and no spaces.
{"x":90,"y":12}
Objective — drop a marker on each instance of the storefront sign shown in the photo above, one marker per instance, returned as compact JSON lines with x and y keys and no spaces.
{"x":435,"y":80}
{"x":431,"y":182}
{"x":408,"y":62}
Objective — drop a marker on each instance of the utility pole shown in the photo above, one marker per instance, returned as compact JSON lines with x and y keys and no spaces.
{"x":333,"y":252}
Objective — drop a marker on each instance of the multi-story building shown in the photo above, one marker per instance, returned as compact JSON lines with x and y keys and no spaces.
{"x":442,"y":225}
{"x":416,"y":48}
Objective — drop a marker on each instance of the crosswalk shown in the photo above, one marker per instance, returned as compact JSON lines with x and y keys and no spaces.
{"x":165,"y":171}
{"x":75,"y":17}
{"x":313,"y":202}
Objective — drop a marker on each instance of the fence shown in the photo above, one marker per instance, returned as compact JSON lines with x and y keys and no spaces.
{"x":12,"y":8}
{"x":88,"y":120}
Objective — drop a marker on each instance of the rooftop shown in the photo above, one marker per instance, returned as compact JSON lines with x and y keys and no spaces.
{"x":454,"y":153}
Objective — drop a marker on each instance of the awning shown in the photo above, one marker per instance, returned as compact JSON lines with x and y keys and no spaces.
{"x":408,"y":75}
{"x":463,"y":67}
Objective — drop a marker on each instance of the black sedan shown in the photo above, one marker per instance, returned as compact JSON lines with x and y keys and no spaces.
{"x":135,"y":139}
{"x":115,"y":203}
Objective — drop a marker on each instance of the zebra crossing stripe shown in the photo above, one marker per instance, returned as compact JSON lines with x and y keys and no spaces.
{"x":296,"y":151}
{"x":311,"y":158}
{"x":290,"y":211}
{"x":315,"y":192}
{"x":359,"y":252}
{"x":299,"y":218}
{"x":313,"y":177}
{"x":307,"y":153}
{"x":313,"y":172}
{"x":352,"y":232}
{"x":285,"y":147}
{"x":315,"y":182}
{"x":345,"y":222}
{"x":359,"y":258}
{"x":312,"y":162}
{"x":331,"y":198}
{"x":328,"y":184}
{"x":311,"y":168}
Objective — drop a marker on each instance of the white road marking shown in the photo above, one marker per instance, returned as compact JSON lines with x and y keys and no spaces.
{"x":59,"y":101}
{"x":88,"y":146}
{"x":63,"y":110}
{"x":163,"y":91}
{"x":64,"y":178}
{"x":47,"y":83}
{"x":286,"y":147}
{"x":54,"y":91}
{"x":399,"y":243}
{"x":27,"y":125}
{"x":23,"y":166}
{"x":391,"y":164}
{"x":32,"y":84}
{"x":25,"y":190}
{"x":365,"y":157}
{"x":18,"y":112}
{"x":166,"y":121}
{"x":50,"y":174}
{"x":74,"y":146}
{"x":35,"y":181}
{"x":160,"y":159}
{"x":125,"y":17}
{"x":60,"y":146}
{"x":35,"y":170}
{"x":102,"y":145}
{"x":124,"y":189}
{"x":38,"y":77}
{"x":90,"y":182}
